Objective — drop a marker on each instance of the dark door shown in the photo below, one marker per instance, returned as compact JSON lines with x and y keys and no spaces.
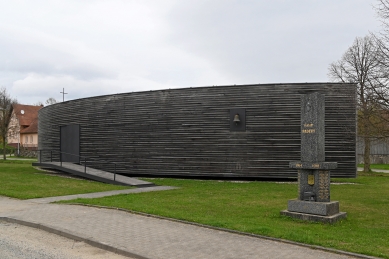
{"x":70,"y":143}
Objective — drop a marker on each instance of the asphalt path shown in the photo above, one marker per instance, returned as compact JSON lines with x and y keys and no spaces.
{"x":17,"y":158}
{"x":17,"y":241}
{"x":375,"y":170}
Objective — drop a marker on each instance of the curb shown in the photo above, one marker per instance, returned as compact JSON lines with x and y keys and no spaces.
{"x":315,"y":247}
{"x":119,"y":251}
{"x":93,"y":243}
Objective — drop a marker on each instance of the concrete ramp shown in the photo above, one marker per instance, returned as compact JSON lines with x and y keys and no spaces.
{"x":94,"y":174}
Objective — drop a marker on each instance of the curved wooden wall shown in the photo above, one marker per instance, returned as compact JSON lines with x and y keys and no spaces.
{"x":187,"y":131}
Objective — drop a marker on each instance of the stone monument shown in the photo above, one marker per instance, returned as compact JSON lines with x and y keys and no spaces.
{"x":313,"y":201}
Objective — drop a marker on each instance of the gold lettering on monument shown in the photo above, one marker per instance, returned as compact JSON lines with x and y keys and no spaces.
{"x":308,"y":131}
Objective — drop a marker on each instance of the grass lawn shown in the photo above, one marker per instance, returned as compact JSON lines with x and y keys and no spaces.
{"x":18,"y":179}
{"x":254,"y":207}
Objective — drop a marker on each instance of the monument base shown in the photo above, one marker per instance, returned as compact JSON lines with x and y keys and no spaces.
{"x":327,"y":212}
{"x":311,"y":207}
{"x":318,"y":218}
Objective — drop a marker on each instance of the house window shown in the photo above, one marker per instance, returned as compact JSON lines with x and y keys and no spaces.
{"x":31,"y":139}
{"x":26,"y":139}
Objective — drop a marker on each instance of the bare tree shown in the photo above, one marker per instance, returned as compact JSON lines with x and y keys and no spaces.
{"x":382,"y":9}
{"x":6,"y":109}
{"x":50,"y":101}
{"x":382,"y":42}
{"x":362,"y":63}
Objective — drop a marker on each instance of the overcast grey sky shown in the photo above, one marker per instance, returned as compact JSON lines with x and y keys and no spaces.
{"x":96,"y":47}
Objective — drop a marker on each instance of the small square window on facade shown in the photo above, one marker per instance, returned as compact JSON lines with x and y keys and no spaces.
{"x":238,"y":119}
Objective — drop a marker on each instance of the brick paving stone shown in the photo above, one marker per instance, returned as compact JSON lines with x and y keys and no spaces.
{"x":151,"y":237}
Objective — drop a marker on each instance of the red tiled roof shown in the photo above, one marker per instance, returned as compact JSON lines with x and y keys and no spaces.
{"x":27,"y":115}
{"x":33,"y":128}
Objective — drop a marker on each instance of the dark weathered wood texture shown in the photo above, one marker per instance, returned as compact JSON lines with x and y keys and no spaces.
{"x":187,"y":131}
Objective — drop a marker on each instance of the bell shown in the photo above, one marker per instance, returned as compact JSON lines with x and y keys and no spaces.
{"x":236,"y":118}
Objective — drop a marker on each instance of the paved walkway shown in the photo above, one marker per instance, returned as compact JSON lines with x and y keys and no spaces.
{"x":147,"y":237}
{"x":92,"y":173}
{"x":375,"y":170}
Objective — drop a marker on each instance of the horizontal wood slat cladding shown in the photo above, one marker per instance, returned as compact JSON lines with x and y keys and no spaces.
{"x":186,"y":132}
